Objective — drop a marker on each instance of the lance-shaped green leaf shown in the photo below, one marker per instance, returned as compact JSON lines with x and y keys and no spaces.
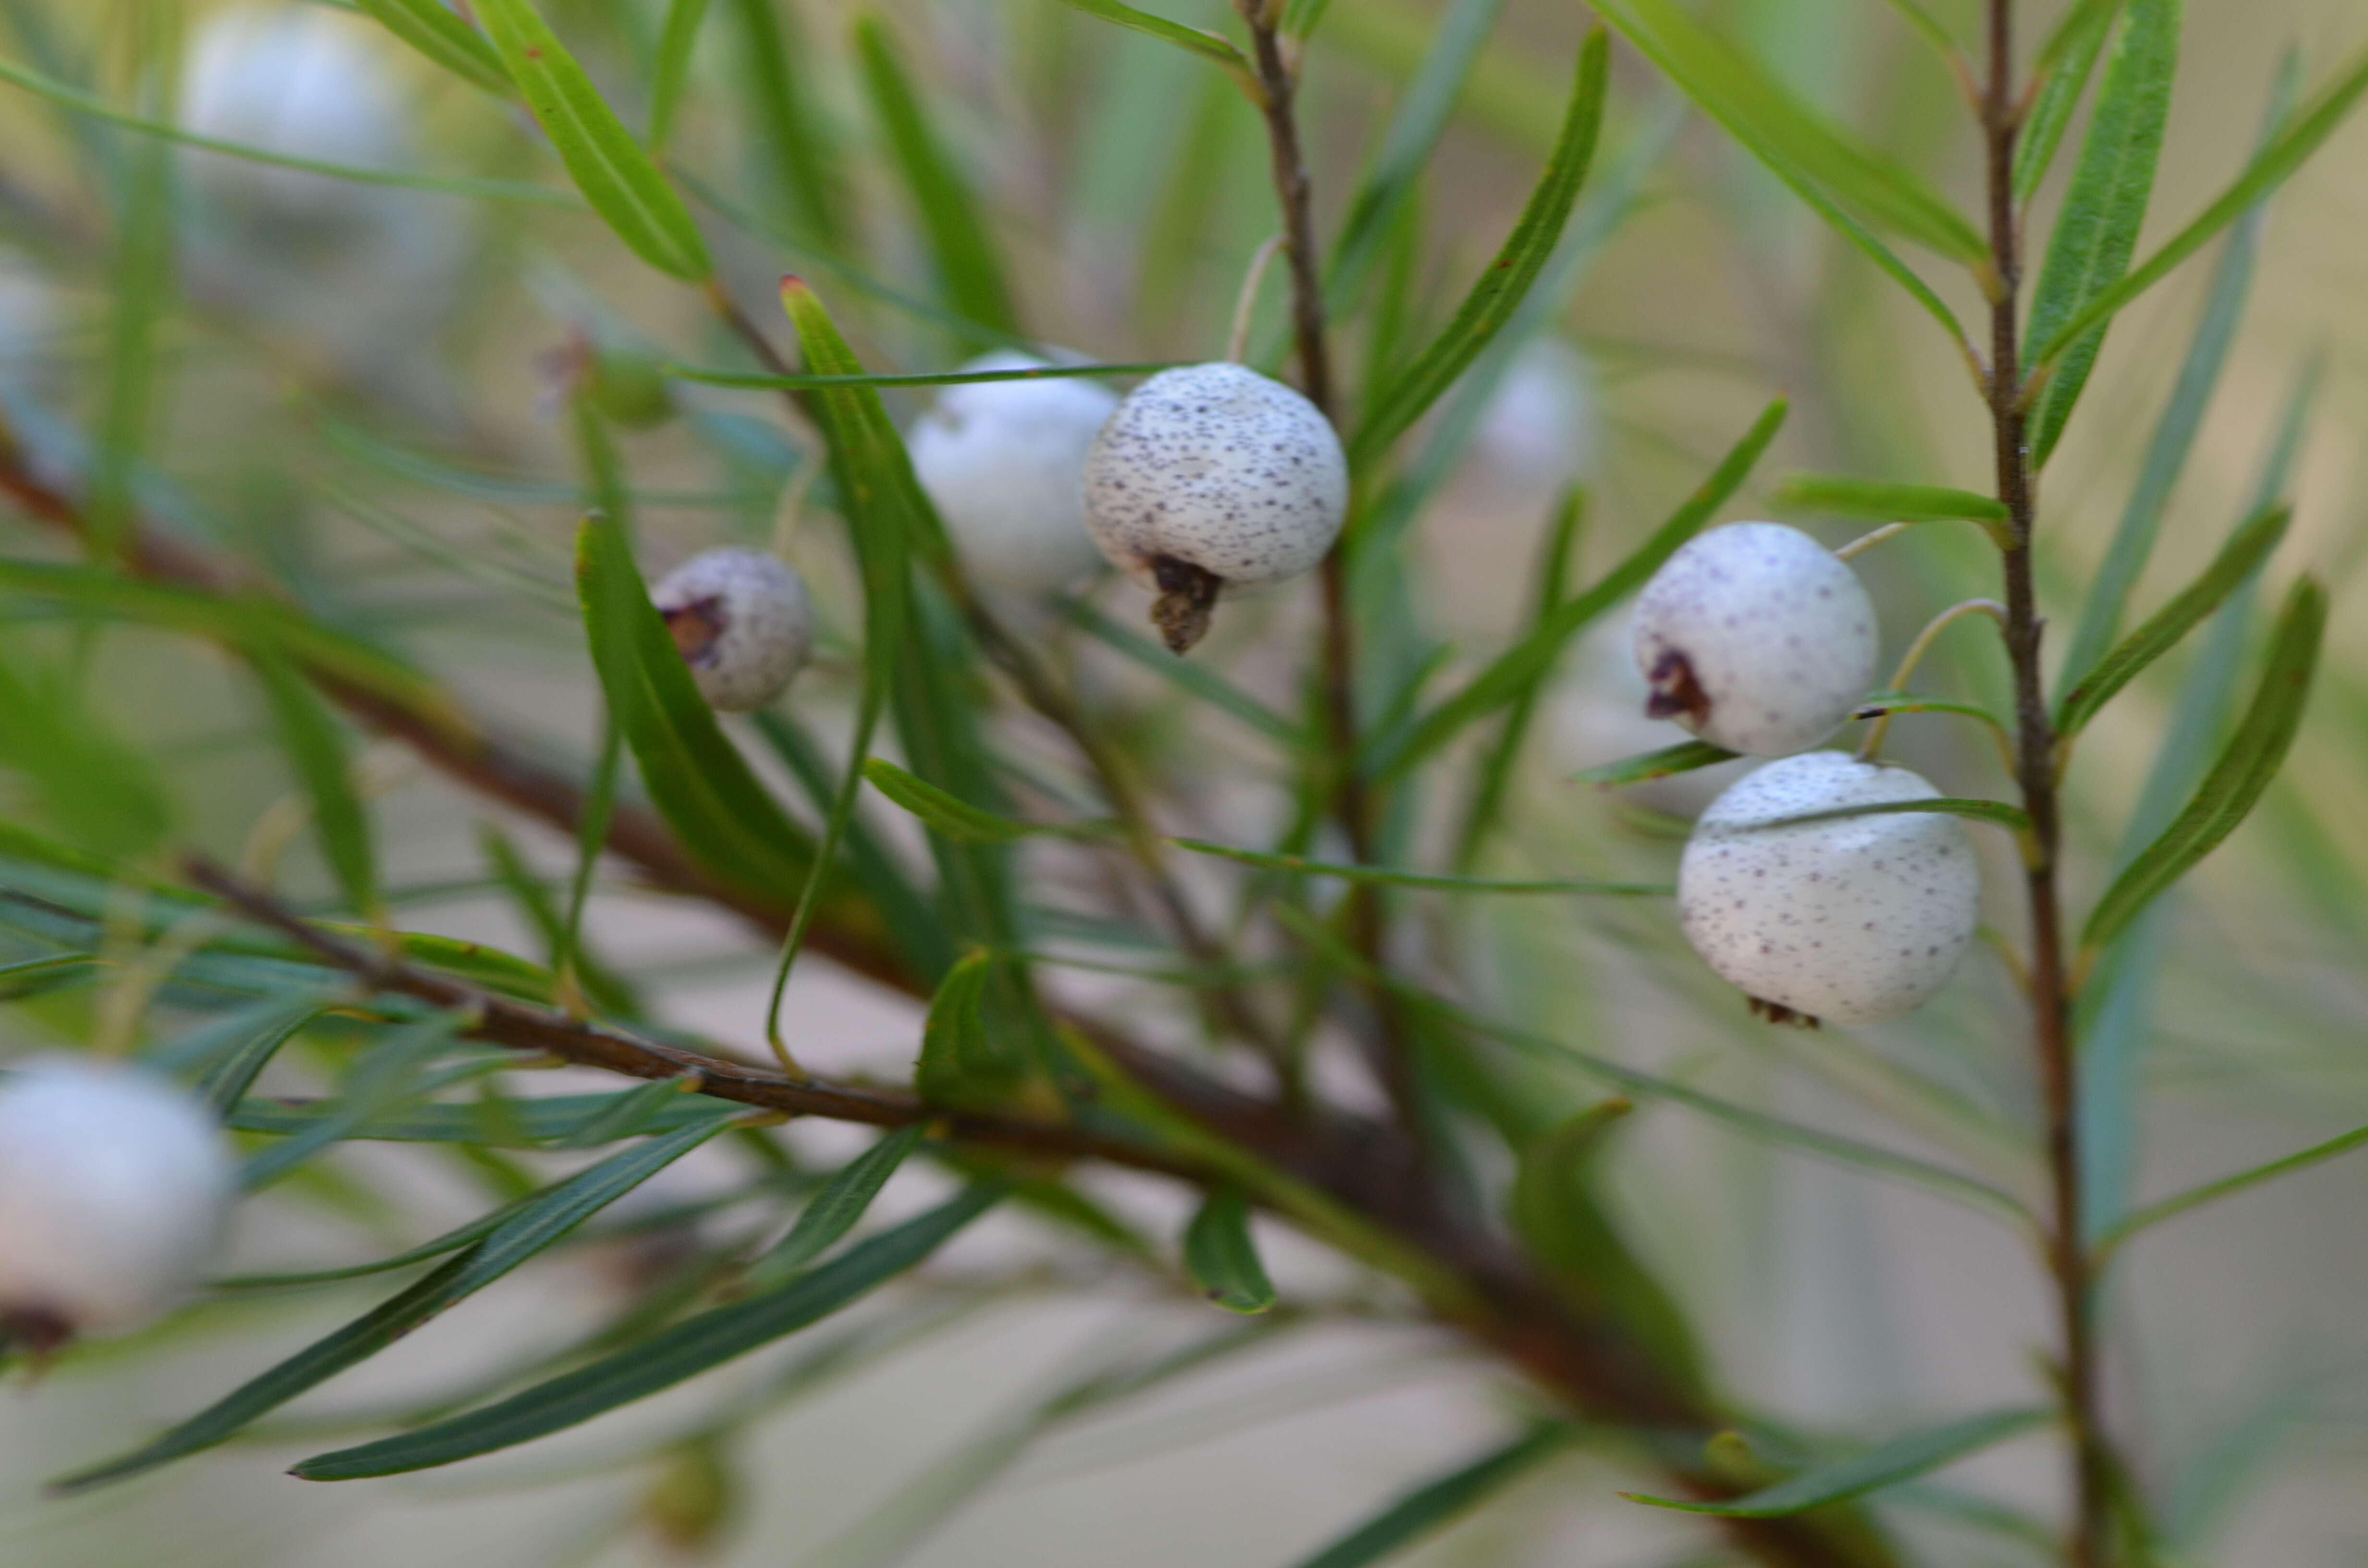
{"x":941,"y":810}
{"x":2065,"y":65}
{"x":316,"y":749}
{"x":791,"y":136}
{"x":1999,"y":812}
{"x":2117,"y":574}
{"x":2244,"y":768}
{"x":678,"y":43}
{"x":1521,"y":664}
{"x":1431,"y":1506}
{"x":1683,"y":757}
{"x":1222,"y":1258}
{"x":1208,"y":45}
{"x":1789,"y":136}
{"x":1903,"y":1459}
{"x":968,"y":268}
{"x":696,"y":778}
{"x":961,"y":1059}
{"x":1501,"y":288}
{"x":684,"y":1351}
{"x":2289,"y":150}
{"x":538,"y":1122}
{"x":437,"y":31}
{"x":92,"y":786}
{"x":236,"y":1062}
{"x":1873,"y":500}
{"x":2171,"y":1208}
{"x":531,"y":1229}
{"x":616,"y":176}
{"x":832,"y":1211}
{"x":2247,"y":548}
{"x":600,"y":985}
{"x":380,"y":1079}
{"x":2098,"y":230}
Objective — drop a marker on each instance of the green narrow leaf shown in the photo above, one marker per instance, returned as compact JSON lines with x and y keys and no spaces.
{"x":437,"y":31}
{"x":2244,"y":768}
{"x":1523,"y":663}
{"x":1487,"y":804}
{"x":1430,"y":1505}
{"x":791,"y":135}
{"x":616,"y":176}
{"x":628,"y":1113}
{"x":1873,"y":500}
{"x":241,"y":1060}
{"x":1788,"y":136}
{"x":664,"y":1359}
{"x":1194,"y":676}
{"x":2227,"y":1186}
{"x":2174,"y":435}
{"x":381,"y":1078}
{"x":696,"y":778}
{"x":531,"y":1123}
{"x":1501,"y":288}
{"x":2238,"y":558}
{"x":678,"y":43}
{"x":960,"y":1059}
{"x":1903,"y":1459}
{"x":832,"y":1211}
{"x":531,"y":1229}
{"x":92,"y":787}
{"x":2065,"y":65}
{"x":1415,"y":128}
{"x":941,"y":812}
{"x":2289,"y":150}
{"x":316,"y":749}
{"x":1555,"y":1211}
{"x":83,"y":104}
{"x":1383,"y":876}
{"x":1208,"y":45}
{"x":1683,"y":757}
{"x":599,"y":985}
{"x":1998,"y":811}
{"x":1222,"y":1258}
{"x":968,"y":268}
{"x":2097,"y":231}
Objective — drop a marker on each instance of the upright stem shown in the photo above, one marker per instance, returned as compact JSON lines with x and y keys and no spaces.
{"x":2035,"y":765}
{"x":1352,"y":802}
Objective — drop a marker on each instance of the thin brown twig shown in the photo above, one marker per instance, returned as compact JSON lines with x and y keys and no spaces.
{"x":2068,"y":1260}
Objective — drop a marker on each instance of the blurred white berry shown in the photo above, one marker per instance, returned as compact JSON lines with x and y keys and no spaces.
{"x":743,"y":621}
{"x":1756,"y":638}
{"x":1213,"y":474}
{"x":114,"y":1185}
{"x":299,"y":80}
{"x":1856,"y":919}
{"x":1003,"y":463}
{"x":1540,"y":428}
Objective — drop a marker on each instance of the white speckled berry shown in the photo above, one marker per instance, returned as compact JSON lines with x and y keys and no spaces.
{"x":1756,"y":638}
{"x":1856,"y":919}
{"x":114,"y":1183}
{"x":1003,"y":463}
{"x":297,"y":80}
{"x":1213,"y":474}
{"x":743,"y":621}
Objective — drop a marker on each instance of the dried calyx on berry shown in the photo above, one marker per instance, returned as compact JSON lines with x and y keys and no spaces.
{"x":114,"y":1185}
{"x":1003,"y":463}
{"x":1756,"y":638}
{"x":1211,"y":475}
{"x":743,"y":621}
{"x":1858,"y":918}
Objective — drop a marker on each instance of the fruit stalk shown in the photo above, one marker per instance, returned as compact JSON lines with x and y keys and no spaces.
{"x":2036,"y":764}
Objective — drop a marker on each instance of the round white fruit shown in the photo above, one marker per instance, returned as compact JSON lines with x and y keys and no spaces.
{"x":1855,"y":919}
{"x":301,"y":81}
{"x":1219,"y":467}
{"x":1541,"y":425}
{"x":114,"y":1185}
{"x":743,"y":621}
{"x":1756,"y":638}
{"x":1004,"y":462}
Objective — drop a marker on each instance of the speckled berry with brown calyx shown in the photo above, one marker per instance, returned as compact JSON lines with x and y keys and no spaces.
{"x":1212,"y":475}
{"x":743,"y":621}
{"x":1856,"y":919}
{"x":1756,"y":638}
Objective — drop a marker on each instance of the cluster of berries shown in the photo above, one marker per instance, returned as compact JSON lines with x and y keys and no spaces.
{"x":1760,"y":639}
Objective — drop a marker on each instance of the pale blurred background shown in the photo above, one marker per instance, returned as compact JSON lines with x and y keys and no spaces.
{"x":1826,"y":1297}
